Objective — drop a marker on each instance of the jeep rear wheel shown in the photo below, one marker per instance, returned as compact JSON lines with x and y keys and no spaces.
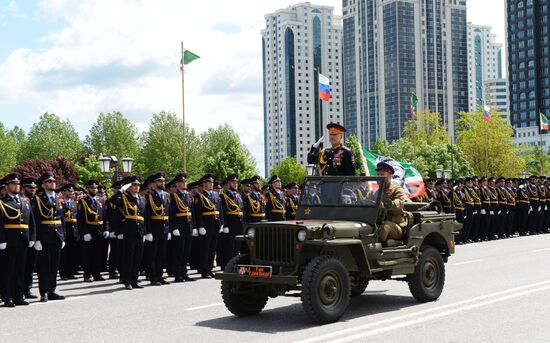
{"x":236,"y":300}
{"x":426,"y":284}
{"x":325,"y":289}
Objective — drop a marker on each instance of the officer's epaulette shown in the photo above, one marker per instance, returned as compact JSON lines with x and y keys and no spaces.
{"x":345,"y":148}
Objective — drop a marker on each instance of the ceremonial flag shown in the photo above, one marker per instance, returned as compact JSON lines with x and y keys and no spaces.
{"x":324,"y":88}
{"x":414,"y":102}
{"x":544,"y":126}
{"x":187,"y":58}
{"x":487,"y":114}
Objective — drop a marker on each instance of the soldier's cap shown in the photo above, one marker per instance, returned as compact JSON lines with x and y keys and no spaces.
{"x":160,"y":176}
{"x":101,"y":188}
{"x":500,"y":179}
{"x":265,"y":187}
{"x":232,"y":177}
{"x":92,"y":184}
{"x":508,"y":180}
{"x":492,"y":179}
{"x":292,"y":185}
{"x":67,"y":187}
{"x":335,"y":128}
{"x":47,"y":176}
{"x":217,"y":184}
{"x":132,"y":179}
{"x":542,"y":177}
{"x":484,"y":179}
{"x":459,"y":182}
{"x":532,"y":177}
{"x":207,"y":178}
{"x":439,"y":182}
{"x":245,"y":182}
{"x":29,"y":182}
{"x":255,"y":179}
{"x":428,"y":180}
{"x":274,"y":178}
{"x":475,"y":178}
{"x":12,"y":178}
{"x":179,"y":178}
{"x":468,"y":179}
{"x":117,"y":184}
{"x":191,"y":185}
{"x":382,"y":165}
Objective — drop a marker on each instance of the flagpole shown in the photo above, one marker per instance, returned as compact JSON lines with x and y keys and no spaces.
{"x":183,"y":107}
{"x":320,"y":124}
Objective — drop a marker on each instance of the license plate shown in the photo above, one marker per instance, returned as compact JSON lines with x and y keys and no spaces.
{"x":253,"y":271}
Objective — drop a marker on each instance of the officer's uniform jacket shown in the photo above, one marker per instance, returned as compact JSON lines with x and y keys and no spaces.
{"x":275,"y":206}
{"x":181,"y":212}
{"x":333,"y":161}
{"x":157,"y":219}
{"x":207,"y":209}
{"x":232,"y":209}
{"x":132,"y":210}
{"x":17,"y":225}
{"x":49,"y":219}
{"x":291,"y":207}
{"x":70,"y":211}
{"x":254,"y":207}
{"x":91,"y":216}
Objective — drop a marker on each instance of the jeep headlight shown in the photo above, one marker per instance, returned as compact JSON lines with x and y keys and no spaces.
{"x":301,"y":235}
{"x":250,"y":233}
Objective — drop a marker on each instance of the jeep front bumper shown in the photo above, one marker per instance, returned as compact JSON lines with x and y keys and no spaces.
{"x":289,"y":280}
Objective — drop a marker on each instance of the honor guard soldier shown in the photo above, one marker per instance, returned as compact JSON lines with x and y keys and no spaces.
{"x":254,"y":206}
{"x":337,"y":160}
{"x":542,"y":204}
{"x":246,"y":188}
{"x":91,"y":225}
{"x":157,"y":222}
{"x":466,"y":231}
{"x":50,"y":236}
{"x":502,"y":208}
{"x":68,"y":265}
{"x":458,"y":204}
{"x":522,"y":208}
{"x":292,"y":200}
{"x":17,"y":234}
{"x":443,"y":196}
{"x":232,"y":211}
{"x":534,"y":204}
{"x":114,"y":220}
{"x":209,"y":222}
{"x":511,"y":196}
{"x":494,"y":209}
{"x":181,"y":224}
{"x":485,"y":211}
{"x":275,"y":201}
{"x":29,"y":187}
{"x":131,"y":231}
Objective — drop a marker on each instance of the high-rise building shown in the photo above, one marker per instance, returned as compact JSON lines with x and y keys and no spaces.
{"x":484,"y":62}
{"x":496,"y":96}
{"x":392,"y":48}
{"x":298,"y":43}
{"x":528,"y":55}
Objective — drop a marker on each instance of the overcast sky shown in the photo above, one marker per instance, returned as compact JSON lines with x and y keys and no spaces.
{"x":80,"y":58}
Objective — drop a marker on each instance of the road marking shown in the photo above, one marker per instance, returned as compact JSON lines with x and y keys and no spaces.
{"x":201,"y":307}
{"x":415,"y":315}
{"x":540,"y":250}
{"x":467,"y":262}
{"x":68,"y":298}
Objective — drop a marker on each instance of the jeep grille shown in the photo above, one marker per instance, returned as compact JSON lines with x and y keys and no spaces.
{"x":275,"y":244}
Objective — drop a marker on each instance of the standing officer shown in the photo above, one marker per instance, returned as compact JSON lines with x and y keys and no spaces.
{"x":246,"y":188}
{"x":17,"y":234}
{"x":50,"y":236}
{"x":91,"y":217}
{"x":29,"y":190}
{"x":181,"y":224}
{"x":534,"y":204}
{"x":493,"y":229}
{"x":443,"y":196}
{"x":209,"y":223}
{"x":337,"y":160}
{"x":275,"y":201}
{"x":511,"y":196}
{"x":542,"y":204}
{"x":114,"y":220}
{"x":458,"y":205}
{"x":232,"y":210}
{"x":502,"y":208}
{"x":69,"y":255}
{"x":292,"y":201}
{"x":522,"y":208}
{"x":485,"y":211}
{"x":158,"y":226}
{"x":254,"y":206}
{"x":466,"y":231}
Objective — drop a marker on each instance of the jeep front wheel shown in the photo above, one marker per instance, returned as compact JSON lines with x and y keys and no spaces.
{"x":236,"y":299}
{"x":325,"y":289}
{"x":426,"y":284}
{"x":358,"y":288}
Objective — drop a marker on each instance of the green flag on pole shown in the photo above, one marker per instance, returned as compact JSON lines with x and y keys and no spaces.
{"x":187,"y":58}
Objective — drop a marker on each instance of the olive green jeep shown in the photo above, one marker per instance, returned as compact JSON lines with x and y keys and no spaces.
{"x":332,"y":251}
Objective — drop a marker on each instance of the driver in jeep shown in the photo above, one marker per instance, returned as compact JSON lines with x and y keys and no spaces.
{"x":393,"y":200}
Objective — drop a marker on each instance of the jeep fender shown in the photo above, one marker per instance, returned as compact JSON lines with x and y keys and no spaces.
{"x":350,"y":251}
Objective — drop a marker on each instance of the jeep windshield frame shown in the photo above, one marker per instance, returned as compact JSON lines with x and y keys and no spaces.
{"x":343,"y":203}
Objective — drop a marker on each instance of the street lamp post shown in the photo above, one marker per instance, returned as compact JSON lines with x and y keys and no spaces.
{"x":446,"y":174}
{"x":105,"y":165}
{"x":439,"y":173}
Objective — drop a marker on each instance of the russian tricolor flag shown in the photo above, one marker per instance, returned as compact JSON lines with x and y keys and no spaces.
{"x":487,"y":114}
{"x":324,"y":88}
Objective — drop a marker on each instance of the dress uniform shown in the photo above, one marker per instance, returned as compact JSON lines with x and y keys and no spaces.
{"x":485,"y":212}
{"x":114,"y":219}
{"x":522,"y":208}
{"x":254,"y":205}
{"x":232,"y":211}
{"x":157,"y":222}
{"x":443,"y":196}
{"x":547,"y":214}
{"x":458,"y":204}
{"x":17,"y":234}
{"x":511,"y":196}
{"x":493,"y":229}
{"x":502,"y":213}
{"x":292,"y":201}
{"x":534,"y":205}
{"x":466,"y":231}
{"x":50,"y":236}
{"x":542,"y":204}
{"x":68,"y":265}
{"x":29,"y":190}
{"x":209,"y":222}
{"x":92,"y":227}
{"x":475,"y":192}
{"x":275,"y":201}
{"x":131,"y":231}
{"x":337,"y":160}
{"x":181,"y":224}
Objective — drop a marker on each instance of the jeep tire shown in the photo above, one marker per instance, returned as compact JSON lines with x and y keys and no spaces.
{"x":325,"y":289}
{"x":358,"y":288}
{"x":426,"y":284}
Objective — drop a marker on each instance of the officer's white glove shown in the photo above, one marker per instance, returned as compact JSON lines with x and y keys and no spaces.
{"x":62,"y":245}
{"x":540,"y":207}
{"x":530,"y":208}
{"x":202,"y":231}
{"x":38,"y":246}
{"x":143,"y":239}
{"x":169,"y":237}
{"x":121,"y":236}
{"x":221,"y":229}
{"x":87,"y":237}
{"x":499,"y":212}
{"x":492,"y":213}
{"x":149,"y":237}
{"x":465,"y":217}
{"x":475,"y":212}
{"x":112,"y":235}
{"x":195,"y":233}
{"x":483,"y":211}
{"x":105,"y":234}
{"x":3,"y":246}
{"x":225,"y":230}
{"x":546,"y":207}
{"x":316,"y":145}
{"x":31,"y":244}
{"x":176,"y":233}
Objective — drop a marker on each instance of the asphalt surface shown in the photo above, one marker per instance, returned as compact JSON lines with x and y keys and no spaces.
{"x":494,"y":292}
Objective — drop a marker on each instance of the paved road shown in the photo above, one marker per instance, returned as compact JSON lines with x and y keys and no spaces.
{"x":495,"y":292}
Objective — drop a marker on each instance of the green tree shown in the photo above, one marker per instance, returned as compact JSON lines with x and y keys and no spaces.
{"x":114,"y":135}
{"x":425,"y":127}
{"x":360,"y":164}
{"x":222,"y":153}
{"x":163,"y":149}
{"x":289,"y":170}
{"x":489,"y":146}
{"x":50,"y":138}
{"x":10,"y":150}
{"x":537,"y":162}
{"x":91,"y":170}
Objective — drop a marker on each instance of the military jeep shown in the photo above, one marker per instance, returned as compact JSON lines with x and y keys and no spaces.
{"x":332,"y":251}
